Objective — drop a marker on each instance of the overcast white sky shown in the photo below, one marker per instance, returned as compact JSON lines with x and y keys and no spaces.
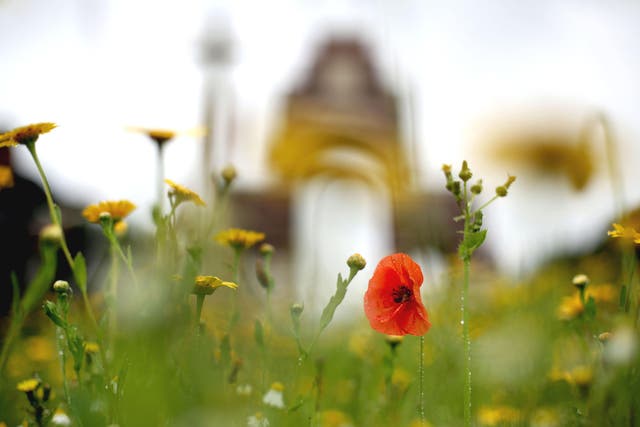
{"x":95,"y":67}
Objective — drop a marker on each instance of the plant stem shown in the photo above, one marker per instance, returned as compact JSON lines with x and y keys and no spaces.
{"x":52,"y":210}
{"x":423,"y":421}
{"x":199,"y":304}
{"x":466,"y":258}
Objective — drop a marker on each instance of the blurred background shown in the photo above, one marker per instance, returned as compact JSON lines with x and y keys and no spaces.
{"x":338,"y":116}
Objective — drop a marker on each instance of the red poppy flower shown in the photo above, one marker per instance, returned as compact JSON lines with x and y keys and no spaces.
{"x":392,"y":302}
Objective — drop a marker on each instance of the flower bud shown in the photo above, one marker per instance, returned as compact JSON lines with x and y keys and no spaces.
{"x":356,"y":262}
{"x":477,"y":187}
{"x":393,"y":340}
{"x":501,"y":191}
{"x":61,"y":287}
{"x":296,"y":309}
{"x":266,"y":249}
{"x":51,"y":234}
{"x":465,"y":173}
{"x":605,"y":337}
{"x":580,"y":281}
{"x":228,"y":174}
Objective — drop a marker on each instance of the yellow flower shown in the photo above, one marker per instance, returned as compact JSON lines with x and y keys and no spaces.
{"x":334,"y":418}
{"x":117,"y":209}
{"x":91,"y":347}
{"x":28,"y":385}
{"x":25,"y":134}
{"x":570,"y":308}
{"x":120,"y":228}
{"x":605,"y":293}
{"x":160,"y":136}
{"x":238,"y":238}
{"x":581,"y":376}
{"x":627,"y":233}
{"x":39,"y":349}
{"x":400,"y":379}
{"x":497,"y":415}
{"x":206,"y":285}
{"x":182,"y":193}
{"x":6,"y":177}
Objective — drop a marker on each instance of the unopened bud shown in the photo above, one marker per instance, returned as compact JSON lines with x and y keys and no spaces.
{"x":296,"y":309}
{"x":356,"y":262}
{"x":228,"y":174}
{"x":465,"y":173}
{"x":477,"y":187}
{"x":52,"y":234}
{"x":61,"y":287}
{"x":394,"y":340}
{"x":605,"y":337}
{"x":580,"y":281}
{"x":266,"y":249}
{"x":501,"y":191}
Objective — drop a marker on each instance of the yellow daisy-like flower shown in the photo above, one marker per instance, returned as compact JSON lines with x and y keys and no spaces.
{"x":570,"y":308}
{"x":238,"y":238}
{"x":627,"y":233}
{"x":498,"y":415}
{"x":118,"y":210}
{"x":206,"y":285}
{"x":161,"y":136}
{"x":182,"y":193}
{"x":91,"y":347}
{"x":6,"y":177}
{"x":28,"y":385}
{"x":25,"y":134}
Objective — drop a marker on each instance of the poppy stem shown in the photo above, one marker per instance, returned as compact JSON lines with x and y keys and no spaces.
{"x":423,"y":420}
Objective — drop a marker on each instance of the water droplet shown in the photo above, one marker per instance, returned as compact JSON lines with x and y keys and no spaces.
{"x":462,"y":322}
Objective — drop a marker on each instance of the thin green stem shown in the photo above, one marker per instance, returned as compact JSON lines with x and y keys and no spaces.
{"x":466,"y":258}
{"x":423,"y":420}
{"x":113,"y":293}
{"x":199,"y":304}
{"x":52,"y":210}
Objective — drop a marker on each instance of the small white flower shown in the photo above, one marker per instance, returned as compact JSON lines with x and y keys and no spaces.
{"x":60,"y":419}
{"x":274,"y":396}
{"x":244,"y":390}
{"x":621,"y":347}
{"x":257,"y":420}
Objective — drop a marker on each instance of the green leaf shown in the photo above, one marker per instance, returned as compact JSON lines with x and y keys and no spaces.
{"x":51,"y":310}
{"x":80,"y":272}
{"x":15,"y":301}
{"x":623,"y":296}
{"x":330,"y":309}
{"x":590,"y":308}
{"x":258,"y":334}
{"x":471,"y":242}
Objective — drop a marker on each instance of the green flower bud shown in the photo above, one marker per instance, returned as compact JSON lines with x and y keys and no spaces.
{"x":356,"y":262}
{"x":465,"y":173}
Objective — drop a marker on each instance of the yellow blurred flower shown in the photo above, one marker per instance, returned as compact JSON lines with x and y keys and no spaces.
{"x":182,"y":193}
{"x":334,"y":418}
{"x":91,"y":347}
{"x":545,"y":417}
{"x":206,"y":285}
{"x":238,"y":238}
{"x":625,"y":233}
{"x":25,"y":134}
{"x":570,"y":308}
{"x":117,"y":209}
{"x":604,"y":293}
{"x":6,"y":177}
{"x":39,"y":349}
{"x":28,"y":385}
{"x":120,"y":228}
{"x":161,"y":136}
{"x":496,"y":415}
{"x":400,"y":379}
{"x":581,"y":376}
